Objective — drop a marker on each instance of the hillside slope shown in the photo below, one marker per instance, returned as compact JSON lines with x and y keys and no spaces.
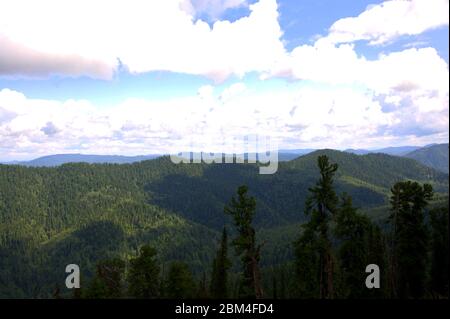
{"x":80,"y":213}
{"x":435,"y":156}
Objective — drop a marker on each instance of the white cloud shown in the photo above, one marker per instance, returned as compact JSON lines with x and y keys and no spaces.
{"x":322,"y":62}
{"x":18,"y":59}
{"x":398,"y":97}
{"x":408,"y":71}
{"x":232,"y":91}
{"x":86,"y":38}
{"x":206,"y":91}
{"x":386,"y":21}
{"x":416,"y":77}
{"x":323,"y":116}
{"x":326,"y":62}
{"x":411,"y":85}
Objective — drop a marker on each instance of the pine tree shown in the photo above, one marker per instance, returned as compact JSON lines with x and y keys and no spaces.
{"x":353,"y":230}
{"x":112,"y":272}
{"x":243,"y":210}
{"x":221,"y":265}
{"x":108,"y":280}
{"x":202,"y":289}
{"x":314,"y":247}
{"x":439,"y":252}
{"x":409,"y":238}
{"x":143,"y":277}
{"x":96,"y":289}
{"x":307,"y":266}
{"x":179,"y":283}
{"x":376,"y":254}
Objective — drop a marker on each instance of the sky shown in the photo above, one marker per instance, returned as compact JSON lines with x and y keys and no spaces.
{"x":134,"y":77}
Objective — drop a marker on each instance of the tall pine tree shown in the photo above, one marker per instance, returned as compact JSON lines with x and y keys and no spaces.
{"x":221,"y":265}
{"x":409,"y":238}
{"x":314,"y":246}
{"x":353,"y":230}
{"x":143,"y":277}
{"x":179,"y":283}
{"x":108,"y":281}
{"x":242,"y":210}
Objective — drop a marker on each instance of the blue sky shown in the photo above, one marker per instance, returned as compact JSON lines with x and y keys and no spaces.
{"x":159,"y":77}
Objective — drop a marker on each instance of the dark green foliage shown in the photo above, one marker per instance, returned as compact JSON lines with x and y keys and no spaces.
{"x":439,"y":284}
{"x":242,"y":210}
{"x":143,"y":276}
{"x":315,"y":242}
{"x":353,"y":231}
{"x":96,"y":290}
{"x":435,"y":156}
{"x":410,"y":238}
{"x":83,"y":214}
{"x":202,"y":289}
{"x":377,"y":254}
{"x":336,"y":245}
{"x":274,"y":287}
{"x":179,"y":283}
{"x":220,"y":268}
{"x":307,"y":264}
{"x":108,"y":282}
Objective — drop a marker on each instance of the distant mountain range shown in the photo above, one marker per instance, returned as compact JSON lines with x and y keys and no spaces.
{"x":433,"y":155}
{"x":396,"y":151}
{"x":59,"y":159}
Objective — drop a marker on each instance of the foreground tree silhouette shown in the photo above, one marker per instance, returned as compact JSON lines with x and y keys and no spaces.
{"x":221,"y":265}
{"x":376,"y":254}
{"x":409,"y":238}
{"x":242,"y":210}
{"x":314,"y":249}
{"x":108,"y":281}
{"x":439,"y":251}
{"x":353,"y":229}
{"x":143,"y":277}
{"x":179,"y":284}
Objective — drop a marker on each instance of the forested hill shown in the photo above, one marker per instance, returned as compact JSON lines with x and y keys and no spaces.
{"x":435,"y":156}
{"x":81,"y":213}
{"x":378,"y":169}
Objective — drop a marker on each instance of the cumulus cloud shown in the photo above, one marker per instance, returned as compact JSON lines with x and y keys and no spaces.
{"x":321,"y":116}
{"x":386,"y":21}
{"x":324,"y":61}
{"x":87,"y":38}
{"x":232,"y":91}
{"x":410,"y":85}
{"x":413,"y":80}
{"x":17,"y":59}
{"x":397,"y":97}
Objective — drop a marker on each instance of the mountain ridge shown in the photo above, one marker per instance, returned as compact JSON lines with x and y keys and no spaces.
{"x":435,"y":156}
{"x":284,"y":155}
